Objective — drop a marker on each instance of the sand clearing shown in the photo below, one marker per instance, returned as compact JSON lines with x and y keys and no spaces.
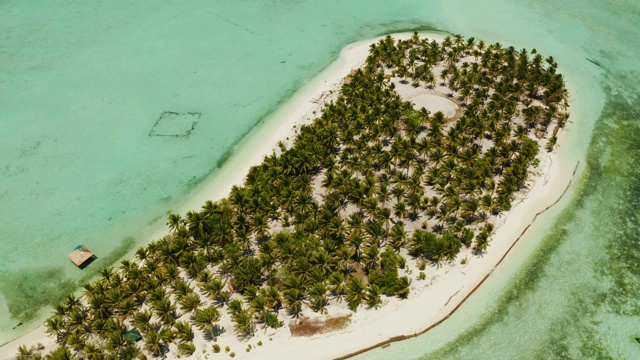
{"x":430,"y":100}
{"x":435,"y":103}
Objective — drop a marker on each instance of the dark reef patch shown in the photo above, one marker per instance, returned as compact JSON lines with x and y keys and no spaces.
{"x":27,"y":292}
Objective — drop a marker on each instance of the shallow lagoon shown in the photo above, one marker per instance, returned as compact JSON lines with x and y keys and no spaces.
{"x":82,"y":86}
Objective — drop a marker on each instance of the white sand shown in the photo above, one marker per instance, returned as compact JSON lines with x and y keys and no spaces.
{"x":430,"y":300}
{"x":429,"y":100}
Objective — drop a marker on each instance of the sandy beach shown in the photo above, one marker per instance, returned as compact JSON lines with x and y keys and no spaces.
{"x":430,"y":301}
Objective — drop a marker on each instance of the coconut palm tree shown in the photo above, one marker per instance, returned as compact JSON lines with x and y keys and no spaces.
{"x":165,"y":310}
{"x":205,"y":319}
{"x":56,"y":326}
{"x":354,"y":292}
{"x":244,"y":326}
{"x":373,"y":296}
{"x":183,"y":331}
{"x":61,"y":353}
{"x":190,"y":302}
{"x":153,"y":343}
{"x":402,"y":287}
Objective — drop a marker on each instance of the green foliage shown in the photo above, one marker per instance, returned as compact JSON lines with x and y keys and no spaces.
{"x":216,"y":348}
{"x":273,"y":322}
{"x":386,"y":278}
{"x":355,"y":292}
{"x":190,"y":302}
{"x":247,"y":273}
{"x":183,"y":331}
{"x":32,"y":353}
{"x":206,"y":318}
{"x":435,"y":248}
{"x":165,"y":310}
{"x":186,"y":349}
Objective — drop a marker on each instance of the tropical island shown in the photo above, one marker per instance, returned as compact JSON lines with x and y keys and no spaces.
{"x":405,"y":170}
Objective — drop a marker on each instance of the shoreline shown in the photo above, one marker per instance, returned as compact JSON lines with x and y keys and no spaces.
{"x":453,"y":282}
{"x":459,"y":304}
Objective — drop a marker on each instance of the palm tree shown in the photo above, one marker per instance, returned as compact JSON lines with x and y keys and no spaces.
{"x":142,"y":320}
{"x":293,"y":298}
{"x":206,"y":319}
{"x":273,"y":298}
{"x":174,"y":222}
{"x":76,"y":321}
{"x":373,"y":296}
{"x":481,"y":243}
{"x":398,"y":236}
{"x":61,"y":353}
{"x":260,"y":226}
{"x":25,"y":353}
{"x":402,"y":287}
{"x":190,"y":302}
{"x":183,"y":331}
{"x":153,"y":343}
{"x":56,"y":326}
{"x":355,"y":292}
{"x":93,"y":352}
{"x":75,"y":341}
{"x":376,"y":231}
{"x":370,"y":256}
{"x":244,"y":326}
{"x":165,"y":310}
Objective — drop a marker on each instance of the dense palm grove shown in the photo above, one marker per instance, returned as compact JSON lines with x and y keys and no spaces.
{"x":368,"y":185}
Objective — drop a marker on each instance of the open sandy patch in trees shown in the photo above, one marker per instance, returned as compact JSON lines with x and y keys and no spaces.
{"x":430,"y":101}
{"x":435,"y":103}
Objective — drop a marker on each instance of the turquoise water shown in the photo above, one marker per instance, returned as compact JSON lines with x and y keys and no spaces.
{"x":83,"y":85}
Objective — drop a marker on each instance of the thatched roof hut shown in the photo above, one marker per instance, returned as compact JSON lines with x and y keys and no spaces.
{"x":80,"y":255}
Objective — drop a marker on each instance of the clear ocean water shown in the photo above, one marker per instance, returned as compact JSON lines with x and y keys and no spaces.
{"x":83,"y":90}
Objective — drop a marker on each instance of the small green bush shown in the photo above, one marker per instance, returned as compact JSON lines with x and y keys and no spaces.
{"x":422,"y":264}
{"x":186,"y":349}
